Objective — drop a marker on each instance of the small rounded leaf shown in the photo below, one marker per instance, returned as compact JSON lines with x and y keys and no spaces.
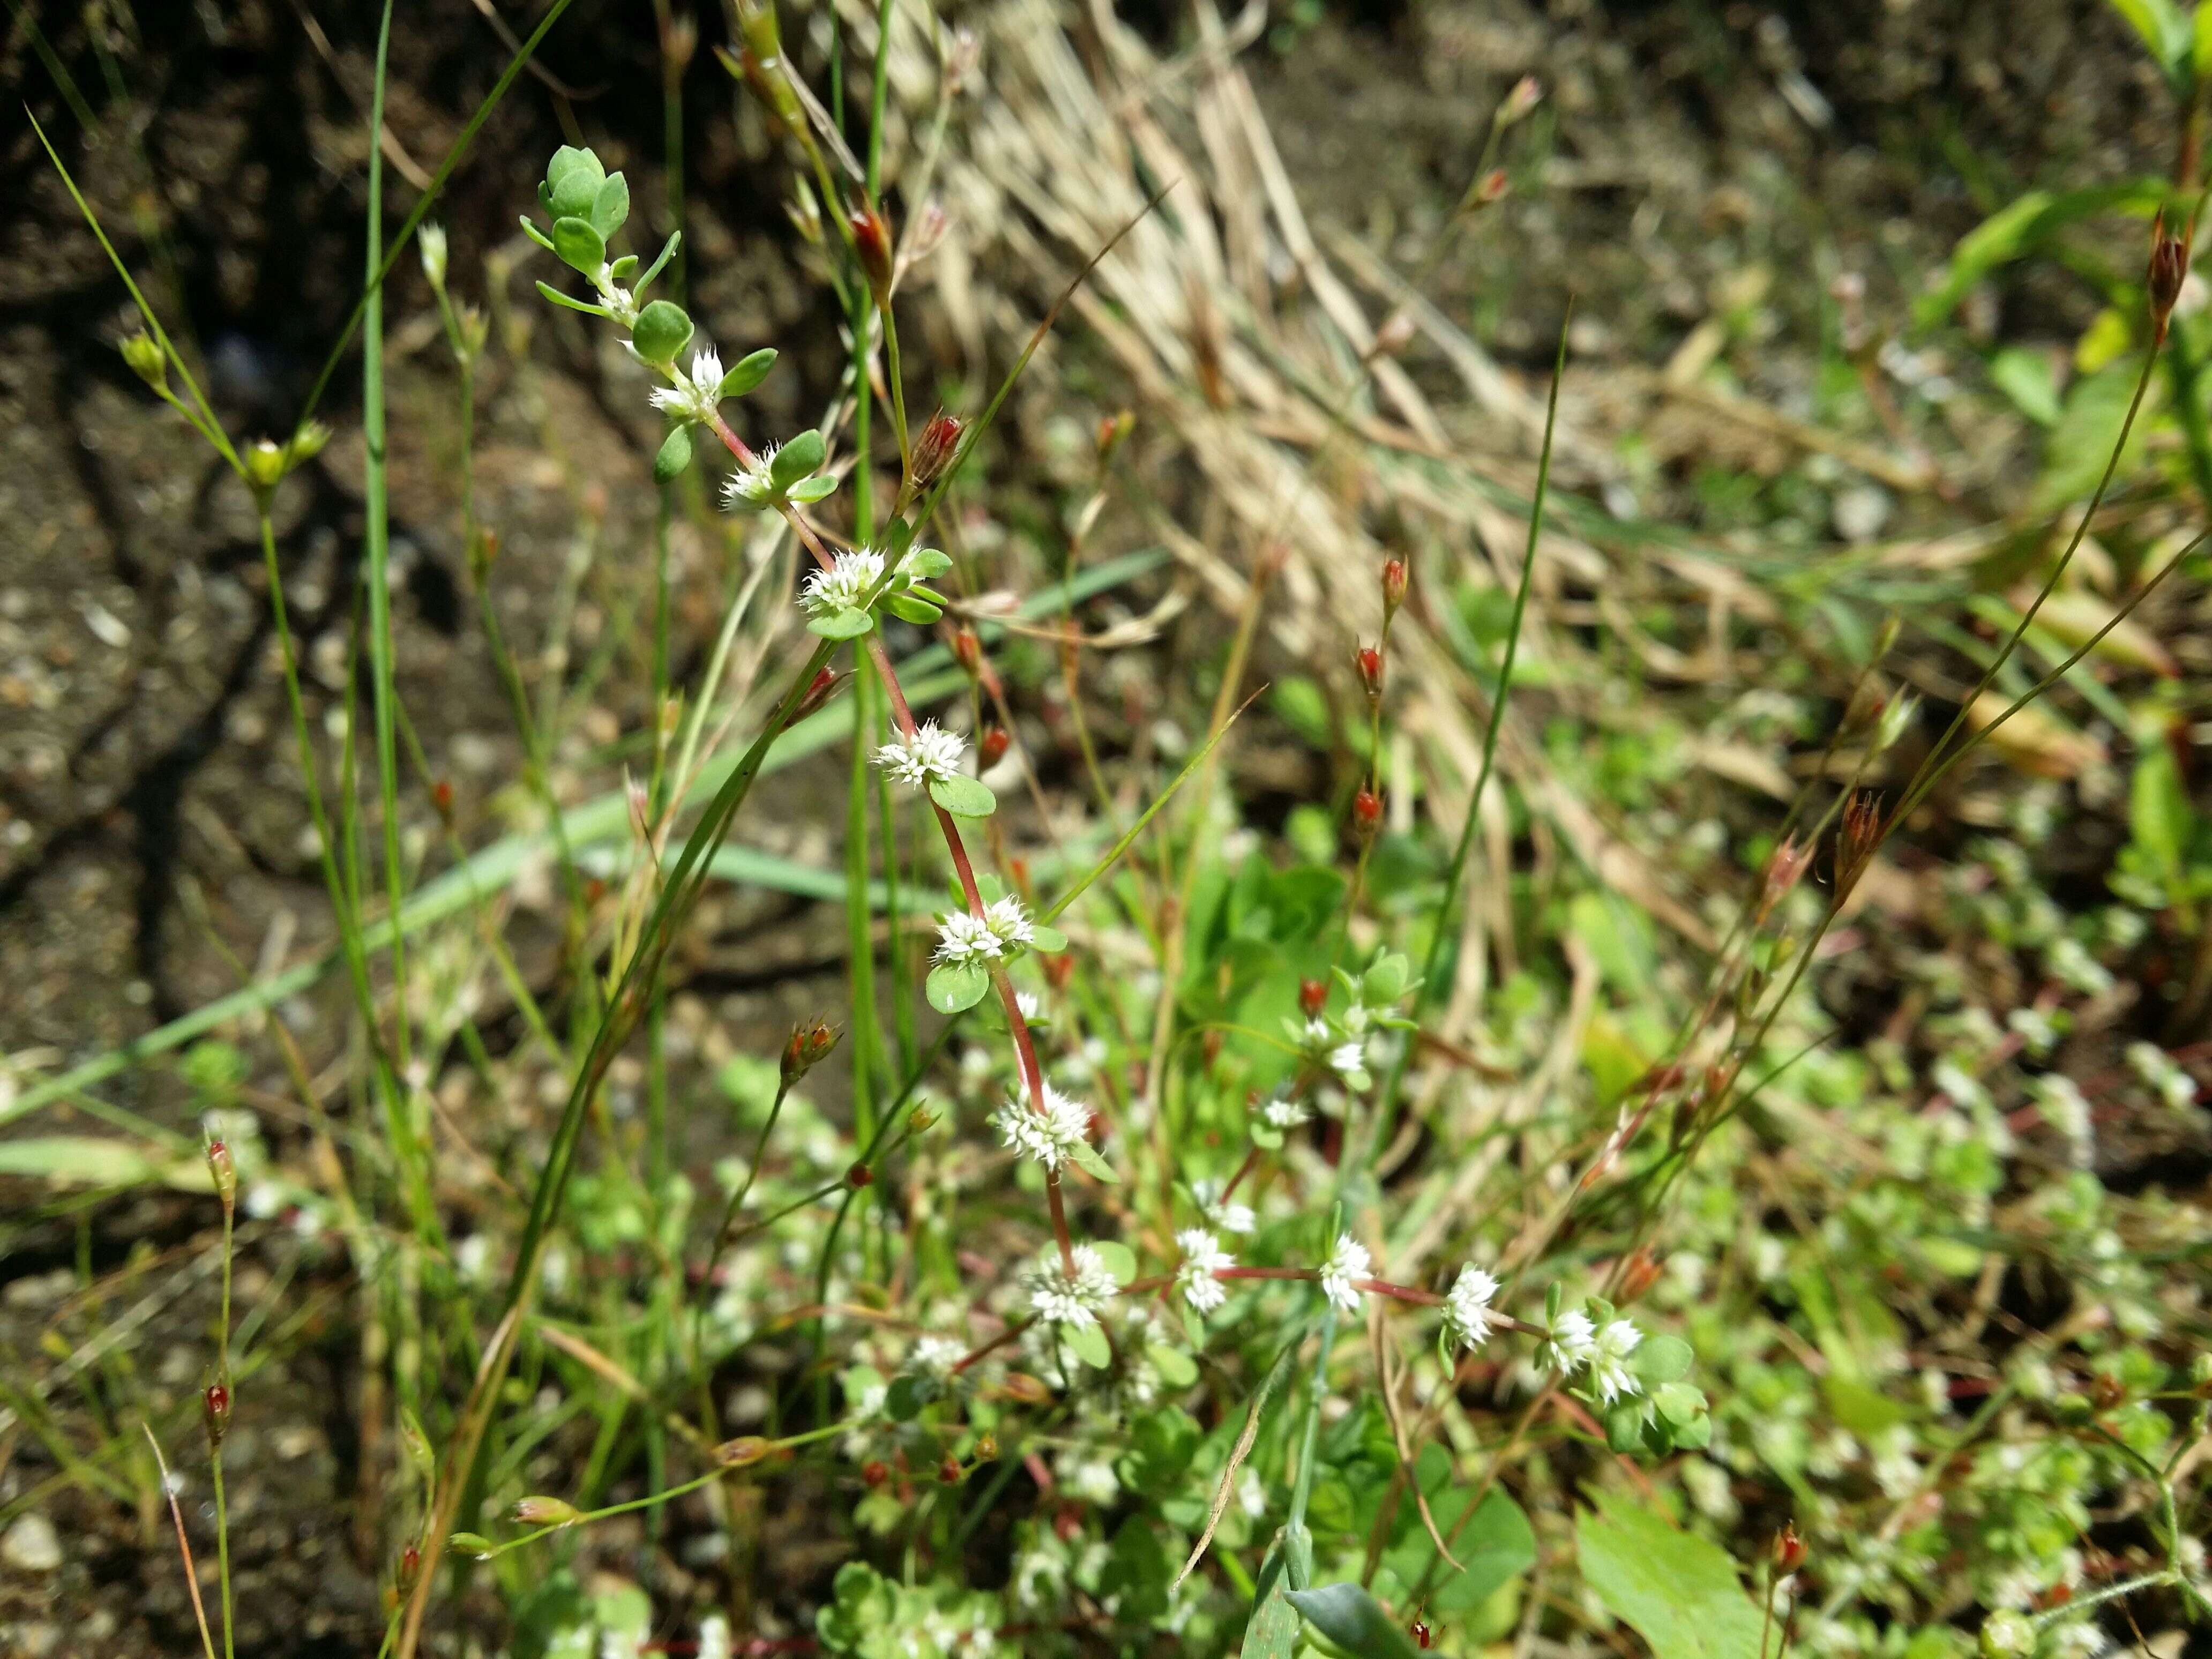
{"x":611,"y":204}
{"x":1176,"y":1369}
{"x":952,"y":987}
{"x":675,"y":455}
{"x":1120,"y":1261}
{"x":964,"y":796}
{"x":662,"y":328}
{"x":908,"y":608}
{"x":580,"y":248}
{"x":1662,"y":1359}
{"x":1087,"y":1159}
{"x":815,"y":489}
{"x":1050,"y":941}
{"x":802,"y":456}
{"x":572,"y":178}
{"x":747,"y":372}
{"x":841,"y":624}
{"x":1088,"y":1344}
{"x":926,"y":561}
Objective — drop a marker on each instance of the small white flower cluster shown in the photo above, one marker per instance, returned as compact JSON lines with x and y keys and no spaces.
{"x":1347,"y":1262}
{"x":1202,"y":1257}
{"x":1214,"y":1205}
{"x":1577,"y":1344}
{"x":1050,"y":1136}
{"x":852,"y":577}
{"x":751,"y":488}
{"x":694,"y":396}
{"x":1467,"y":1314}
{"x":1074,"y":1295}
{"x":934,"y":1357}
{"x":714,"y":1637}
{"x":1003,"y":929}
{"x":1281,"y":1111}
{"x":931,"y":754}
{"x":2166,"y":1075}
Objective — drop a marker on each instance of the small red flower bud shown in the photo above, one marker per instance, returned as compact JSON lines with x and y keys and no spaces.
{"x":875,"y":1472}
{"x":993,"y":747}
{"x":1369,"y":659}
{"x":934,"y":449}
{"x":410,"y":1565}
{"x":968,"y":652}
{"x":441,"y":798}
{"x":1855,"y":845}
{"x":224,"y":1171}
{"x":1394,"y":585}
{"x":950,"y":1472}
{"x":859,"y":1175}
{"x":819,"y":690}
{"x":1492,"y":188}
{"x":1366,"y":813}
{"x":2169,"y":269}
{"x":808,"y":1045}
{"x":214,"y":1411}
{"x":871,"y":244}
{"x":1313,"y":996}
{"x":1113,"y":431}
{"x":1419,"y":1630}
{"x":1789,"y":1549}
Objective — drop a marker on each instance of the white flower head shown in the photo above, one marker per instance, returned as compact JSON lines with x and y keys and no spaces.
{"x":1467,"y":1316}
{"x":846,"y":584}
{"x":1074,"y":1295}
{"x":1201,"y":1255}
{"x":1609,"y":1373}
{"x":1219,"y":1212}
{"x":1050,"y":1136}
{"x":935,"y":1357}
{"x":692,"y":397}
{"x":713,"y":1637}
{"x":1349,"y":1261}
{"x":930,"y":754}
{"x":430,"y":243}
{"x":965,"y":938}
{"x":1282,"y":1112}
{"x":751,"y":488}
{"x":1349,"y":1061}
{"x":1572,"y":1344}
{"x":1010,"y":921}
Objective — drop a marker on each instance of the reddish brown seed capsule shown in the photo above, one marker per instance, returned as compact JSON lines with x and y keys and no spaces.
{"x":1638,"y":1276}
{"x":441,"y":798}
{"x":1369,"y":659}
{"x":224,"y":1172}
{"x":1313,"y":996}
{"x":2106,"y":1391}
{"x":410,"y":1566}
{"x":859,"y":1175}
{"x":1366,"y":813}
{"x":214,"y":1411}
{"x":994,"y":744}
{"x":808,"y":1045}
{"x":934,"y":449}
{"x":875,"y":1472}
{"x":1394,"y":585}
{"x":1419,"y":1630}
{"x":950,"y":1472}
{"x":1789,"y":1549}
{"x":819,"y":690}
{"x":2169,"y":269}
{"x":871,"y":245}
{"x":968,"y":652}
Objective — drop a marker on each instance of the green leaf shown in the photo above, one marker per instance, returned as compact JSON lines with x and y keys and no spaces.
{"x":2166,"y":30}
{"x":537,"y":235}
{"x":579,"y":245}
{"x":560,"y":299}
{"x":95,"y":1161}
{"x":2200,"y":56}
{"x":660,"y":332}
{"x":842,"y":624}
{"x":926,"y":561}
{"x":908,"y":608}
{"x":611,"y":205}
{"x":1088,"y":1344}
{"x":1087,"y":1159}
{"x":2160,"y":819}
{"x":1354,"y":1620}
{"x":747,"y":372}
{"x":807,"y":491}
{"x":904,"y":1399}
{"x":675,"y":455}
{"x":796,"y":459}
{"x":622,"y":268}
{"x":1678,"y":1403}
{"x":1050,"y":941}
{"x":1120,"y":1261}
{"x":1176,"y":1369}
{"x":668,"y":252}
{"x":1680,"y":1592}
{"x":2018,"y":229}
{"x":572,"y":178}
{"x":2027,"y":379}
{"x":1385,"y":982}
{"x":964,"y":796}
{"x":952,"y":987}
{"x":1493,"y":1546}
{"x":1275,"y":1625}
{"x":1662,"y":1359}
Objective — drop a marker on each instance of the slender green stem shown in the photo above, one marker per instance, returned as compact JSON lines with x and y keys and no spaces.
{"x":1445,"y":927}
{"x":214,"y":1452}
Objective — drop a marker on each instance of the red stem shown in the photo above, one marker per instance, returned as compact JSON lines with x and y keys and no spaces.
{"x":1024,"y":1047}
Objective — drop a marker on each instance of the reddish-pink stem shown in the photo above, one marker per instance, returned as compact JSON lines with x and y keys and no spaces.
{"x":1024,"y":1047}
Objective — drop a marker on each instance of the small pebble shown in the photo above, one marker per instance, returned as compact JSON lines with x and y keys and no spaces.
{"x":31,"y":1545}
